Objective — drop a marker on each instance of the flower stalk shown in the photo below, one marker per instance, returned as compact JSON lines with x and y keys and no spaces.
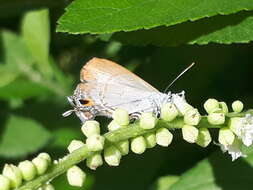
{"x":114,"y":137}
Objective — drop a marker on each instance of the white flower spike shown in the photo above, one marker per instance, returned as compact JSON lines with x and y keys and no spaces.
{"x":95,"y":142}
{"x":121,"y":116}
{"x":247,"y":130}
{"x":169,"y":111}
{"x":138,"y":145}
{"x":41,"y":164}
{"x":76,"y":176}
{"x":94,"y":161}
{"x":123,"y":147}
{"x":211,"y":105}
{"x":147,"y":121}
{"x":74,"y":145}
{"x":112,"y":156}
{"x":14,"y":174}
{"x":4,"y":183}
{"x":45,"y":156}
{"x":28,"y":170}
{"x":150,"y":140}
{"x":234,"y":150}
{"x":243,"y":128}
{"x":180,"y":102}
{"x":237,"y":106}
{"x":90,"y":128}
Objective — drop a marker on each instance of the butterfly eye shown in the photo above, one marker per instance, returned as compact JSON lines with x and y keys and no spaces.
{"x":84,"y":102}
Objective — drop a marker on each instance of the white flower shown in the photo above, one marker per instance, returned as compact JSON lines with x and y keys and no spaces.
{"x":247,"y":130}
{"x":234,"y":150}
{"x":179,"y":101}
{"x":243,"y":128}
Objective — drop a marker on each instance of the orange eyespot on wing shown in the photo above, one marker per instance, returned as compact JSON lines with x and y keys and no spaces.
{"x":86,"y":102}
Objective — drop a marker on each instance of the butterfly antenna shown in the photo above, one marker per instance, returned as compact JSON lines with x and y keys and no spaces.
{"x":183,"y":72}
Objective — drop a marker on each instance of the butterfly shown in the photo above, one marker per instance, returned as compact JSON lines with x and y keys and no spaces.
{"x":106,"y":85}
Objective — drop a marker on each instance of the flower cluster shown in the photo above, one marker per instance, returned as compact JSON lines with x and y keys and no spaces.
{"x":235,"y":131}
{"x":13,"y":176}
{"x":112,"y":153}
{"x":238,"y":131}
{"x":191,"y":131}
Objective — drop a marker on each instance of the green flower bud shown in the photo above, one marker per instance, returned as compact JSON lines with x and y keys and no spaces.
{"x":192,"y":117}
{"x":112,"y":156}
{"x":224,"y":107}
{"x":163,"y":137}
{"x":150,"y":140}
{"x":74,"y":145}
{"x":113,"y":125}
{"x":169,"y":112}
{"x":147,"y":121}
{"x":5,"y":183}
{"x":216,"y":118}
{"x":48,"y":187}
{"x":14,"y":174}
{"x":204,"y":137}
{"x":184,"y":108}
{"x":226,"y":136}
{"x":123,"y":147}
{"x":190,"y":133}
{"x":121,"y":116}
{"x":45,"y":156}
{"x":235,"y":124}
{"x":90,"y":128}
{"x":211,"y":105}
{"x":138,"y":145}
{"x":237,"y":106}
{"x":95,"y":142}
{"x":27,"y":169}
{"x":76,"y":176}
{"x":41,"y":165}
{"x":94,"y":161}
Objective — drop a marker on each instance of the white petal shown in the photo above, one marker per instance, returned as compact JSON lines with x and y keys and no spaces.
{"x":236,"y":155}
{"x":234,"y":150}
{"x":247,"y":141}
{"x":247,"y":130}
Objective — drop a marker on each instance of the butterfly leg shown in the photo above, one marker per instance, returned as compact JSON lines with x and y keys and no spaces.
{"x":156,"y":109}
{"x":157,"y":112}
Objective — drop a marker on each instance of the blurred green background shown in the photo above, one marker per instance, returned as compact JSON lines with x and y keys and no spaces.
{"x":39,"y":68}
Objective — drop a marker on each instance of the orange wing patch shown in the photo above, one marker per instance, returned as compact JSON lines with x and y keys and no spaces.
{"x":86,"y":102}
{"x":97,"y":72}
{"x":97,"y":65}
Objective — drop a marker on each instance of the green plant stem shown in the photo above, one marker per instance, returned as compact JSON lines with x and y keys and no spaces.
{"x":133,"y":130}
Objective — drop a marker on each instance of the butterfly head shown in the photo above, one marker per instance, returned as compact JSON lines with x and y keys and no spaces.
{"x":83,"y":106}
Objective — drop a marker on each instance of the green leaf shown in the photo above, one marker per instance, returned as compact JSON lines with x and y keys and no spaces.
{"x":235,"y":28}
{"x":165,"y":182}
{"x":22,"y":136}
{"x":36,"y":33}
{"x":14,"y":51}
{"x":63,"y":137}
{"x":23,"y":89}
{"x":217,"y":172}
{"x":99,"y":16}
{"x":7,"y":76}
{"x":63,"y":80}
